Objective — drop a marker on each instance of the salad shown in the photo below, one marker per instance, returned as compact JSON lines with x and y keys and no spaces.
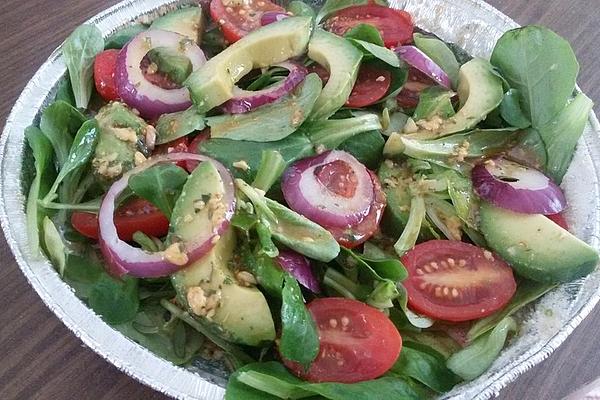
{"x":317,"y":203}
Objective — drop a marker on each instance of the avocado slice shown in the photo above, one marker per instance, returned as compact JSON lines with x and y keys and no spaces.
{"x":342,"y":60}
{"x":120,"y":132}
{"x":172,"y":62}
{"x":243,"y":314}
{"x":480,"y":92}
{"x":188,"y":22}
{"x":212,"y":84}
{"x":270,"y":122}
{"x":536,"y":247}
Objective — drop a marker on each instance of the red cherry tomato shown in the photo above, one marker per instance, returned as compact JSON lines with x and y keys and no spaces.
{"x":371,"y":86}
{"x":411,"y":91}
{"x":355,"y":235}
{"x":455,"y":281}
{"x":395,"y":26}
{"x":357,"y":342}
{"x":104,"y":74}
{"x":176,"y":146}
{"x":136,"y":215}
{"x":560,"y":220}
{"x":194,"y":147}
{"x":238,"y":18}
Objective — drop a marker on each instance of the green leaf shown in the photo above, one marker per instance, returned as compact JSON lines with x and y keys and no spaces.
{"x":160,"y":184}
{"x":411,"y":231}
{"x":443,"y":215}
{"x":228,"y":152}
{"x":60,"y":122}
{"x":271,"y":167}
{"x":82,"y":271}
{"x":425,"y":365}
{"x":366,"y":147}
{"x":266,"y":270}
{"x":82,"y":148}
{"x":434,"y":101}
{"x":65,"y":91}
{"x":299,"y":336}
{"x":120,"y":38}
{"x":176,"y":125}
{"x":301,"y":9}
{"x":146,"y":242}
{"x":366,"y":33}
{"x":331,"y":6}
{"x":562,"y":134}
{"x":450,"y":150}
{"x":440,"y":53}
{"x":372,"y":50}
{"x":268,"y":248}
{"x":541,"y":66}
{"x":270,"y":122}
{"x":477,"y":357}
{"x":115,"y":300}
{"x":79,"y":51}
{"x":460,"y":190}
{"x":54,"y":245}
{"x":527,"y":292}
{"x":399,"y":77}
{"x":42,"y":153}
{"x":415,"y":320}
{"x":511,"y":112}
{"x":531,"y":148}
{"x":301,"y":234}
{"x":380,"y":268}
{"x":271,"y":380}
{"x":333,"y":132}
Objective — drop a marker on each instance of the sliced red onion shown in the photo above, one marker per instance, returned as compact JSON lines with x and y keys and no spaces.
{"x":355,"y":235}
{"x":299,"y":267}
{"x":247,"y":100}
{"x":272,"y":16}
{"x":419,"y":60}
{"x":307,"y":191}
{"x":139,"y":93}
{"x":515,"y":187}
{"x":123,"y":258}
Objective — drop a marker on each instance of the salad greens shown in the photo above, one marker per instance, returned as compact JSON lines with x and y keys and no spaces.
{"x":339,"y":244}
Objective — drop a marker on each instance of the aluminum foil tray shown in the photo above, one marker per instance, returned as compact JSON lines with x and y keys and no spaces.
{"x":472,"y":24}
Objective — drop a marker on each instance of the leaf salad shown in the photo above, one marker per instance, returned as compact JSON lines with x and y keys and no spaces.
{"x":320,"y":203}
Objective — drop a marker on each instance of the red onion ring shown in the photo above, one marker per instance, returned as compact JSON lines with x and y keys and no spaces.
{"x":307,"y":195}
{"x":247,"y":100}
{"x":135,"y":90}
{"x":419,"y":60}
{"x":515,"y":187}
{"x":123,"y":258}
{"x":270,"y":17}
{"x":299,"y":267}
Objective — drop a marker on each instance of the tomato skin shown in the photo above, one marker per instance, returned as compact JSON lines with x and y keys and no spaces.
{"x":560,"y":220}
{"x":236,"y":21}
{"x":455,"y":281}
{"x":371,"y":86}
{"x":396,"y":26}
{"x":104,"y":74}
{"x":411,"y":91}
{"x":360,"y":344}
{"x":136,"y":215}
{"x":353,"y":236}
{"x":194,"y":147}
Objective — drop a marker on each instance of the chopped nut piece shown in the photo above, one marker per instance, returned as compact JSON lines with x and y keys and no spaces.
{"x":241,"y":164}
{"x":150,"y":136}
{"x":245,"y":278}
{"x":174,"y":255}
{"x":139,"y":158}
{"x":125,"y":134}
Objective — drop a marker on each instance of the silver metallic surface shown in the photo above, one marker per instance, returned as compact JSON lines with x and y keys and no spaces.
{"x":472,"y":24}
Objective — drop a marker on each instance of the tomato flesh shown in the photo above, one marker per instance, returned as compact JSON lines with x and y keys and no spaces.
{"x":560,"y":220}
{"x":371,"y":86}
{"x":396,"y":26}
{"x":136,"y":215}
{"x":353,"y":236}
{"x":455,"y":281}
{"x":176,"y":146}
{"x":104,"y":74}
{"x":338,"y":177}
{"x":237,"y":18}
{"x":357,"y":342}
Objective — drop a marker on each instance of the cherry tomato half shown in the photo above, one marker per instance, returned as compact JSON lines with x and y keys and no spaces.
{"x":136,"y":215}
{"x":560,"y":220}
{"x":355,"y":235}
{"x":357,"y":342}
{"x":455,"y":281}
{"x":411,"y":91}
{"x":176,"y":146}
{"x":104,"y":74}
{"x":395,"y":26}
{"x":238,"y":18}
{"x":371,"y":86}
